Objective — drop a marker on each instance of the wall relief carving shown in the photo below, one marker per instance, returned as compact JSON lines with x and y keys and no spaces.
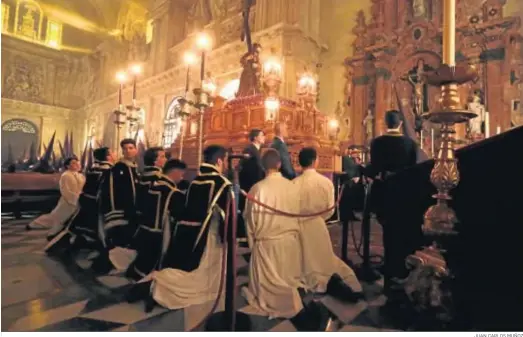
{"x":24,"y":81}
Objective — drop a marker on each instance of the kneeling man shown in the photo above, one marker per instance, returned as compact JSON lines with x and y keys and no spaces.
{"x":275,"y":266}
{"x":322,"y":270}
{"x":192,"y":265}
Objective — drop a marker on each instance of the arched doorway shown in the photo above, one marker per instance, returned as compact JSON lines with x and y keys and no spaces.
{"x":18,"y":134}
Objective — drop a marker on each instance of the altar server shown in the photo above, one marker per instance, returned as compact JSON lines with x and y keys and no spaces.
{"x":193,"y":263}
{"x":322,"y":269}
{"x":160,"y":207}
{"x":275,"y":264}
{"x":70,"y":184}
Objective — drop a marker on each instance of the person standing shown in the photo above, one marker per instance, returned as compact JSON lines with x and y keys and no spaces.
{"x":278,"y":143}
{"x":70,"y":184}
{"x":251,"y":171}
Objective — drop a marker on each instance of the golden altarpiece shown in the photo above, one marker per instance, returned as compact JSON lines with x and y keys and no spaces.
{"x":404,"y":37}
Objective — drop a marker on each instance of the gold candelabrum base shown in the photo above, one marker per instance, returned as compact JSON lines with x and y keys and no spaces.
{"x":425,"y":285}
{"x":203,"y":101}
{"x":440,"y":218}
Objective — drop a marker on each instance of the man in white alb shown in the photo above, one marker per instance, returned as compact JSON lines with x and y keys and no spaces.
{"x":275,"y":266}
{"x":71,"y":184}
{"x":322,"y":270}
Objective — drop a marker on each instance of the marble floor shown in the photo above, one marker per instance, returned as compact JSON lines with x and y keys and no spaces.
{"x":41,"y":293}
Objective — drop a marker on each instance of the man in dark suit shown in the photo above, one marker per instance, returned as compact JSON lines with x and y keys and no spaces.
{"x":389,"y":154}
{"x":251,"y":171}
{"x":278,"y":143}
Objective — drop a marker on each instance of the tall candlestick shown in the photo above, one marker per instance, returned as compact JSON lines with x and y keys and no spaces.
{"x":120,"y":89}
{"x":187,"y":78}
{"x":432,"y":142}
{"x":202,"y":68}
{"x":421,"y":139}
{"x":134,"y":87}
{"x":487,"y":125}
{"x":449,"y":32}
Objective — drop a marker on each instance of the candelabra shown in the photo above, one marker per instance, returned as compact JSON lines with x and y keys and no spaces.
{"x":130,"y":112}
{"x":185,"y":104}
{"x":430,"y":264}
{"x":205,"y":92}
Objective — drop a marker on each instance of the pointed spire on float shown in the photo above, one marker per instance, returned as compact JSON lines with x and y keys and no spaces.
{"x":33,"y":158}
{"x":90,"y":158}
{"x":71,"y":145}
{"x":83,"y":160}
{"x":65,"y":149}
{"x":44,"y":165}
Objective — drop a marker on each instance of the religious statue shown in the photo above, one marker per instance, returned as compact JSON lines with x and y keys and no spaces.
{"x":419,"y":9}
{"x":476,"y":124}
{"x":251,"y":73}
{"x":416,"y":78}
{"x":368,"y":124}
{"x":138,"y":45}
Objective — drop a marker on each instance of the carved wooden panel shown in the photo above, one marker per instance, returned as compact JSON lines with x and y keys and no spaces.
{"x":484,"y":37}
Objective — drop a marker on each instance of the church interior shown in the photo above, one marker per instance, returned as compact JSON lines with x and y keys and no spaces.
{"x":186,"y":74}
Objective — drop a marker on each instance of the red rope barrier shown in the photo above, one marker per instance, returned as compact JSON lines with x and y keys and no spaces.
{"x":292,"y":215}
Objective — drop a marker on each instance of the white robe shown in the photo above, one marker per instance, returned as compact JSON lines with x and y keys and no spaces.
{"x":316,"y":193}
{"x":175,"y":289}
{"x":275,"y":265}
{"x":71,"y":185}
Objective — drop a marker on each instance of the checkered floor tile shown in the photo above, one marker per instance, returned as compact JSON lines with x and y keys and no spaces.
{"x":41,"y":293}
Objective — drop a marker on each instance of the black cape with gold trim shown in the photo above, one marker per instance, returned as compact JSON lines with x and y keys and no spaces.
{"x":85,"y":220}
{"x":205,"y":198}
{"x":118,"y":196}
{"x":160,"y":206}
{"x":149,"y":175}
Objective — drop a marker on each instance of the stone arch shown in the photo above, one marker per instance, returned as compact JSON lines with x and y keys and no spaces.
{"x":18,"y":134}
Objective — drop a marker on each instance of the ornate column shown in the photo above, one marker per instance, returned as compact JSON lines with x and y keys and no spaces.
{"x":160,"y":15}
{"x":382,"y":91}
{"x":359,"y":101}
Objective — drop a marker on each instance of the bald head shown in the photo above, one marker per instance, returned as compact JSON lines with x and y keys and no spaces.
{"x":280,"y":129}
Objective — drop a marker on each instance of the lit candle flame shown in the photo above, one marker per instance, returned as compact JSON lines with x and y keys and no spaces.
{"x":121,"y":76}
{"x":136,"y":69}
{"x":189,"y":58}
{"x":203,"y":41}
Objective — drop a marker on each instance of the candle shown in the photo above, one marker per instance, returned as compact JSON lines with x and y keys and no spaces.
{"x":202,"y":68}
{"x":449,"y":32}
{"x":487,"y":125}
{"x":120,"y":89}
{"x":134,"y":88}
{"x":432,"y":142}
{"x":187,"y":78}
{"x":421,"y":139}
{"x":498,"y":130}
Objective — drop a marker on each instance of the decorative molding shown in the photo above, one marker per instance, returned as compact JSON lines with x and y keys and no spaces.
{"x":20,"y":108}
